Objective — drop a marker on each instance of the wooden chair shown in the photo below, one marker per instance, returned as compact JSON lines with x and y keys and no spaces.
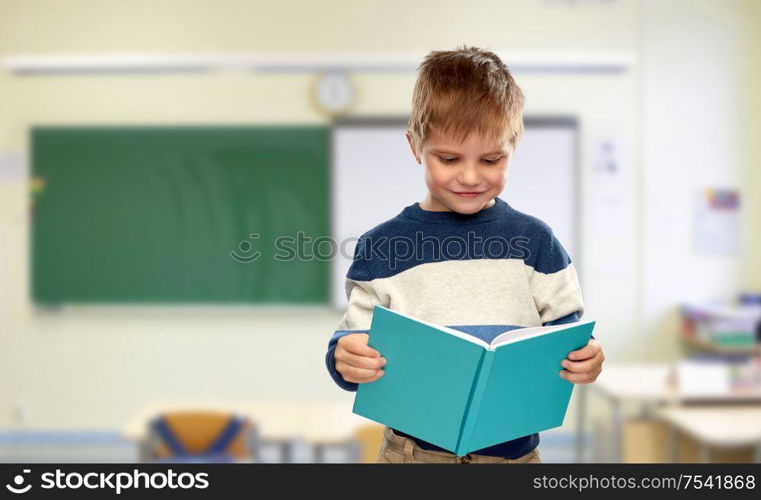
{"x":370,"y":438}
{"x":200,"y":436}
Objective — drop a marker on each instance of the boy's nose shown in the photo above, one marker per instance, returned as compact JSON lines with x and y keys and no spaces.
{"x":468,"y":176}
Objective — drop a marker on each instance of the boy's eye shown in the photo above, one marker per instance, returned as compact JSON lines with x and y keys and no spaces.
{"x":448,"y":161}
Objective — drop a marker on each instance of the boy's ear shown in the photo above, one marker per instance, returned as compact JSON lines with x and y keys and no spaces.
{"x":412,"y":146}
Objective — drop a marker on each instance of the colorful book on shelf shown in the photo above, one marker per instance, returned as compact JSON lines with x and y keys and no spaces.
{"x":460,"y":393}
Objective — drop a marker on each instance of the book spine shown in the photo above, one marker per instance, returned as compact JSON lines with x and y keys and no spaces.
{"x":474,"y":402}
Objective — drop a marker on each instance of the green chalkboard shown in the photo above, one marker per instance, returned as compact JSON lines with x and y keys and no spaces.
{"x":155,"y":214}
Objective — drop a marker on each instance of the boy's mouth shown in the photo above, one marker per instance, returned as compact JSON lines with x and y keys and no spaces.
{"x":468,"y":194}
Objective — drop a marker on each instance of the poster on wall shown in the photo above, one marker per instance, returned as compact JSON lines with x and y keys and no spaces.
{"x":717,"y":222}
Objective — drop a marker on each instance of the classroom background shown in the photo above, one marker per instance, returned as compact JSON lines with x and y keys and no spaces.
{"x":133,"y":327}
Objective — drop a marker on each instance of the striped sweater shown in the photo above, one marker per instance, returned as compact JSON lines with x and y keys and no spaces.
{"x":482,"y":274}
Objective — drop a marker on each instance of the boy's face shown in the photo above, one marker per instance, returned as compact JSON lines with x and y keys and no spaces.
{"x":462,"y":177}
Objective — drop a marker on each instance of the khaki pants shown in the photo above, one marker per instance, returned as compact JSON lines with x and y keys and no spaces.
{"x":400,"y":450}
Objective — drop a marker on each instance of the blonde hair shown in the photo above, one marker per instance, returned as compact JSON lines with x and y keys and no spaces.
{"x":463,"y":90}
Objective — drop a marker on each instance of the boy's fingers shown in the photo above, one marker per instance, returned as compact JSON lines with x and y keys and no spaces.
{"x":352,"y":359}
{"x":358,"y":375}
{"x":379,"y":375}
{"x":580,"y":378}
{"x":354,"y":372}
{"x":361,"y":349}
{"x":588,"y":351}
{"x":583,"y":366}
{"x":357,"y":343}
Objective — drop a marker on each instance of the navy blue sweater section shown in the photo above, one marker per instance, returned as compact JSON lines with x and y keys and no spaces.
{"x":417,"y":236}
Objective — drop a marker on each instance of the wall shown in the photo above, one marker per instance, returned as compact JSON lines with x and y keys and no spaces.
{"x":94,"y":367}
{"x":700,"y":124}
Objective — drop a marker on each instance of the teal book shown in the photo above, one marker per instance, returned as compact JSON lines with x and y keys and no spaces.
{"x":460,"y":393}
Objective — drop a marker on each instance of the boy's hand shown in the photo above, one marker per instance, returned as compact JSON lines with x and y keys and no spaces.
{"x":356,"y":361}
{"x":585,"y":364}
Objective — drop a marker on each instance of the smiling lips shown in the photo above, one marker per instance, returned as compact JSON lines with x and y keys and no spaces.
{"x":467,"y":194}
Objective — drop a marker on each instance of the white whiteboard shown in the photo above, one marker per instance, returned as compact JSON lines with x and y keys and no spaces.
{"x":375,"y":176}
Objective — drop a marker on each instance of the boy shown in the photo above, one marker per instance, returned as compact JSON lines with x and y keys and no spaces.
{"x":506,"y":268}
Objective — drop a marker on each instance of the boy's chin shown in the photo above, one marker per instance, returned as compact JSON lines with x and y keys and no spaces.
{"x":467,"y":206}
{"x":446,"y":201}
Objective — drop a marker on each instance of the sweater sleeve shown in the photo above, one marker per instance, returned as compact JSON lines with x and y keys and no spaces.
{"x":362,"y":299}
{"x":554,"y":283}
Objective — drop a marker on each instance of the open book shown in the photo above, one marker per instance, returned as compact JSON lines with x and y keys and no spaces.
{"x":460,"y":393}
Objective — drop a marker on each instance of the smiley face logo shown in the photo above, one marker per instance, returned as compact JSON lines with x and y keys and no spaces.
{"x":245,"y":247}
{"x":19,"y":481}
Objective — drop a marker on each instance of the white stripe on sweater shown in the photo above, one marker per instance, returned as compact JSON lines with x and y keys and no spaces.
{"x":467,"y":292}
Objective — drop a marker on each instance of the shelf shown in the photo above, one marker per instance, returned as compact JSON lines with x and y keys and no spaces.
{"x":709,"y":346}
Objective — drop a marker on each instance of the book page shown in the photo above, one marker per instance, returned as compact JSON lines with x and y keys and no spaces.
{"x":451,"y":331}
{"x":530,"y":332}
